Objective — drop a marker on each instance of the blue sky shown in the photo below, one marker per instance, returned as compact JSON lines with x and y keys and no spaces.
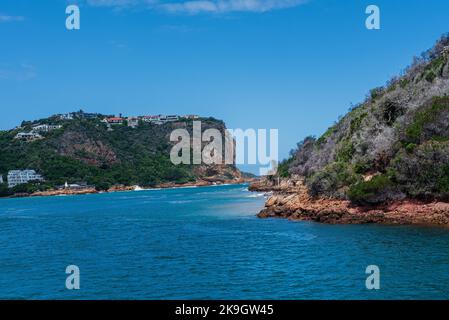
{"x":287,"y":64}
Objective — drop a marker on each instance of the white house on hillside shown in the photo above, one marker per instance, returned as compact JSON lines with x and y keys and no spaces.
{"x":172,"y":118}
{"x":115,"y":120}
{"x":28,"y":136}
{"x":133,"y":122}
{"x":46,"y":127}
{"x":16,"y":177}
{"x":67,"y":116}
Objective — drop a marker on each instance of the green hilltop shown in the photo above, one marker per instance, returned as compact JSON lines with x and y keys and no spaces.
{"x":85,"y":149}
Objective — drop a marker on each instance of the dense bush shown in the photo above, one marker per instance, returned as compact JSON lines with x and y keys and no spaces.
{"x":430,"y":122}
{"x":283,"y":168}
{"x":345,"y":152}
{"x":102,"y":186}
{"x":377,"y":190}
{"x":332,"y":181}
{"x":391,"y":110}
{"x":4,"y":190}
{"x":30,"y":187}
{"x":423,"y":172}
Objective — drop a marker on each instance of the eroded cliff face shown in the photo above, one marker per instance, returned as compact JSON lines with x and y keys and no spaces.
{"x":291,"y":199}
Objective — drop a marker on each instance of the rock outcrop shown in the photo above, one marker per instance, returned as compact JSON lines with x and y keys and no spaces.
{"x":291,"y":200}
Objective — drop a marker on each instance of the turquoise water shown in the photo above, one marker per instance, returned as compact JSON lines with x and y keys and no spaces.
{"x":206,"y":243}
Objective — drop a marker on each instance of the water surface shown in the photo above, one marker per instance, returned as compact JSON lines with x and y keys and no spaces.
{"x":206,"y":243}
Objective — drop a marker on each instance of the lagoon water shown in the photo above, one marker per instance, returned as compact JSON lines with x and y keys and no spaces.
{"x":206,"y":243}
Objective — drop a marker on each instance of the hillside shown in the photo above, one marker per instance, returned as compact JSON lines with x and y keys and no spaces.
{"x":392,"y":147}
{"x":85,"y":150}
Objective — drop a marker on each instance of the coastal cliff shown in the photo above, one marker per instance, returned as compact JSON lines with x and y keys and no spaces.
{"x":386,"y":161}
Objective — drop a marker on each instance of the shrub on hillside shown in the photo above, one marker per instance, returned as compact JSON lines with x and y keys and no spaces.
{"x":283,"y":168}
{"x":332,"y":180}
{"x":431,"y":122}
{"x":424,"y":171}
{"x":377,"y":190}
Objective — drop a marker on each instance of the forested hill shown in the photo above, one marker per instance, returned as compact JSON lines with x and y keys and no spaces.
{"x":88,"y":150}
{"x":393,"y":145}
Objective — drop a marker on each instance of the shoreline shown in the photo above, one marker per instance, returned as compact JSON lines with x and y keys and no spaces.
{"x":290,"y":200}
{"x":121,"y":188}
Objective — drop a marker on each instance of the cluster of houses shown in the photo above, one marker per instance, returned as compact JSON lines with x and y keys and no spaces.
{"x":16,"y":177}
{"x":156,"y":119}
{"x":131,"y":121}
{"x":36,"y":131}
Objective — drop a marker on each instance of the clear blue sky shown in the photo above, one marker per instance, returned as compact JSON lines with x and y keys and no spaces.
{"x":286,"y":64}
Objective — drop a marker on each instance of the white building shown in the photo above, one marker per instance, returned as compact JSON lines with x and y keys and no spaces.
{"x":133,"y":122}
{"x":28,"y":136}
{"x":67,"y":116}
{"x":172,"y":118}
{"x":191,"y":116}
{"x":16,"y":177}
{"x":115,"y":120}
{"x":151,"y":118}
{"x":46,"y":127}
{"x":160,"y":119}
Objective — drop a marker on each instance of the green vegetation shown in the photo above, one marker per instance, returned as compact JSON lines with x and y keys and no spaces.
{"x":283,"y":168}
{"x":30,"y":187}
{"x":410,"y":147}
{"x":403,"y":83}
{"x":356,"y":122}
{"x":424,"y":171}
{"x":442,"y":185}
{"x":428,"y":115}
{"x":370,"y":192}
{"x":346,"y":151}
{"x":361,"y":167}
{"x":331,"y":180}
{"x":434,"y":69}
{"x":391,"y":111}
{"x":321,"y":140}
{"x":376,"y":93}
{"x":4,"y":190}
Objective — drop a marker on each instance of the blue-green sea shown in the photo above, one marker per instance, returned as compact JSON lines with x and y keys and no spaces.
{"x":206,"y":243}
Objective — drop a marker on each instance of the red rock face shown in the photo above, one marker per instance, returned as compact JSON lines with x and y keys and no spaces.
{"x":294,"y":202}
{"x":81,"y":147}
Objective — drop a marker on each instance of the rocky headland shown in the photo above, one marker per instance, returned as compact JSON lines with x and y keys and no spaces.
{"x":386,"y":161}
